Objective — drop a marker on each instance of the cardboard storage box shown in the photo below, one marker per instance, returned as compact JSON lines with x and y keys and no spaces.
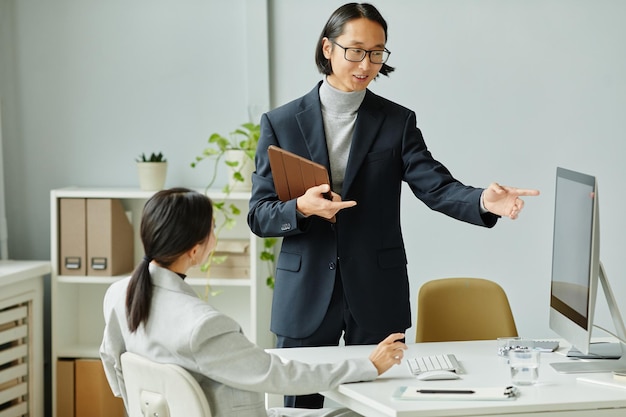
{"x":83,"y":390}
{"x":235,"y":265}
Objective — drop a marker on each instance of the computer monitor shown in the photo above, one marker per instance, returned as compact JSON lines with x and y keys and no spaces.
{"x":576,"y":271}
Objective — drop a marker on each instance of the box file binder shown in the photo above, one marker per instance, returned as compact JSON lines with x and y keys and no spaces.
{"x":72,"y":236}
{"x":65,"y":387}
{"x":93,"y":396}
{"x":95,"y":237}
{"x":110,"y":248}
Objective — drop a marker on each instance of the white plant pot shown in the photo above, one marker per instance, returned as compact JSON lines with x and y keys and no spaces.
{"x":245,"y":167}
{"x":151,"y":175}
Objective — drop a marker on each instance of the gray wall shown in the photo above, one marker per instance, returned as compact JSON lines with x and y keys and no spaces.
{"x":89,"y":86}
{"x":504,"y":91}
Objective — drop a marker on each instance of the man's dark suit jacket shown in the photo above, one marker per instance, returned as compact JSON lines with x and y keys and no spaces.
{"x":366,"y":241}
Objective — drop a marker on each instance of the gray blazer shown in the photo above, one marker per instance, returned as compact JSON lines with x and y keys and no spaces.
{"x":233,"y":372}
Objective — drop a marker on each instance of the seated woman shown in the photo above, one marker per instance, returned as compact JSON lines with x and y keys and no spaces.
{"x":156,"y":314}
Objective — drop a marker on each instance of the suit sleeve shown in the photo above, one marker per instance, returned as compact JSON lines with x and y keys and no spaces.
{"x":433,"y":183}
{"x":223,"y":354}
{"x":267,"y":215}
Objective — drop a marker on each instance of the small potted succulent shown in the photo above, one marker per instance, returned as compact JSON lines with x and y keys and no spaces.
{"x":152,"y":171}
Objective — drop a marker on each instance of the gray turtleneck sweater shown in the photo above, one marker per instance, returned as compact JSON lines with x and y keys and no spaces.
{"x":339,"y":111}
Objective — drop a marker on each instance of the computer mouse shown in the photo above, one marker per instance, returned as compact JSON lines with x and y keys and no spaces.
{"x":437,"y":375}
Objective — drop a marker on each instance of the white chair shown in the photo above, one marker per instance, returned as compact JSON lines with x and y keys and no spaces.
{"x":161,"y":390}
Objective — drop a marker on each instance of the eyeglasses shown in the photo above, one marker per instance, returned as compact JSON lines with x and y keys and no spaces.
{"x":377,"y":56}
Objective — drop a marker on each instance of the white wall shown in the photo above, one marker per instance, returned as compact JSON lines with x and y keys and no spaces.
{"x":6,"y":46}
{"x":4,"y":238}
{"x":504,"y":90}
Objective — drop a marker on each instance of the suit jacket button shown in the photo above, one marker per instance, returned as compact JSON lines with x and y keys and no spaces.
{"x":331,"y":265}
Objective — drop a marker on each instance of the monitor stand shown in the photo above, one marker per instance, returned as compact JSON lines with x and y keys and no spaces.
{"x":593,"y":365}
{"x":598,"y":350}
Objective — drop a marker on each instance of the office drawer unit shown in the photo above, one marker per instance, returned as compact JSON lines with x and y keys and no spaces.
{"x":77,"y":320}
{"x":21,"y":338}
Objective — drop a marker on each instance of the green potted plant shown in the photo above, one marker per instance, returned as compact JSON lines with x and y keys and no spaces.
{"x":237,"y":151}
{"x":152,"y":171}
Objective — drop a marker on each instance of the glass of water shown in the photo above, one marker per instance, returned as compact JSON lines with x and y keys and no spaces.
{"x":524,"y":364}
{"x":507,"y":343}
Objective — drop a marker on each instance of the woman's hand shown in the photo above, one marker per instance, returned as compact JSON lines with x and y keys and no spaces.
{"x":389,"y":352}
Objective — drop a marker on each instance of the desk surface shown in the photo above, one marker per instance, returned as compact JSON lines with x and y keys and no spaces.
{"x":555,"y":394}
{"x":14,"y":271}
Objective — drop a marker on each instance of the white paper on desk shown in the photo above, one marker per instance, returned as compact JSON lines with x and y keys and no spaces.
{"x":606,"y":379}
{"x":480,"y":394}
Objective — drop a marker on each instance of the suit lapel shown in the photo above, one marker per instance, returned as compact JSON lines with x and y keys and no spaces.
{"x":369,"y":121}
{"x":312,"y":128}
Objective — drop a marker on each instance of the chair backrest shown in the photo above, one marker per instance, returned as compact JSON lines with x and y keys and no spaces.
{"x":161,"y":390}
{"x":451,"y":309}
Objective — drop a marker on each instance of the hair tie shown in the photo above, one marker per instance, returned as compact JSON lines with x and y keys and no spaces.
{"x":147,"y":258}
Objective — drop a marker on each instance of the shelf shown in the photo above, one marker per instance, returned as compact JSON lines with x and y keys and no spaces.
{"x":220,"y":282}
{"x":12,"y":271}
{"x":134,"y":193}
{"x":78,"y":352}
{"x":84,"y":279}
{"x":236,"y":287}
{"x":193,"y":281}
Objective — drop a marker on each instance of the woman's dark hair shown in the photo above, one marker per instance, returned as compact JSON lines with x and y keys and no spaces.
{"x":334,"y":29}
{"x":173,"y":222}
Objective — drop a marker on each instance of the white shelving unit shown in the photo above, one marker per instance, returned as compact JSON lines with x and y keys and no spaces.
{"x":77,"y":319}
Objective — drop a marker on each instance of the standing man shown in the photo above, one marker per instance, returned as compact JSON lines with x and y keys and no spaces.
{"x":350,"y":277}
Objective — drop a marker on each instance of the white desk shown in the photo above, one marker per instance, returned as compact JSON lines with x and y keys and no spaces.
{"x":554,"y":395}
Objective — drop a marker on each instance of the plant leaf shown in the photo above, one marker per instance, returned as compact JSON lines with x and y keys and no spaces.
{"x":235,"y":210}
{"x":219,"y":259}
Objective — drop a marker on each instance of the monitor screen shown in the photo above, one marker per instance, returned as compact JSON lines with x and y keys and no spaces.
{"x":573,"y":260}
{"x":577,"y":272}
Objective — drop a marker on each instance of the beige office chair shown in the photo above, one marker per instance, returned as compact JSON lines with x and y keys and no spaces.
{"x":161,"y":390}
{"x":452,"y":309}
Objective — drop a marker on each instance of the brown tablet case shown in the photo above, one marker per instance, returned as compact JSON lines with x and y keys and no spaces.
{"x":293,"y":174}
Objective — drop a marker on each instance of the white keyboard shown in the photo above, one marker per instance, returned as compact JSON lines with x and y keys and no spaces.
{"x":446,"y":362}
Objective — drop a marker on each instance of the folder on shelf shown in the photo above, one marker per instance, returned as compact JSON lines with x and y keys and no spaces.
{"x":93,"y":396}
{"x":72,"y":236}
{"x":293,"y":174}
{"x":65,"y":387}
{"x":110,"y":245}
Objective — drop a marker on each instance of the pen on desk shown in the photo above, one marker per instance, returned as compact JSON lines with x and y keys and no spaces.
{"x":445,"y":391}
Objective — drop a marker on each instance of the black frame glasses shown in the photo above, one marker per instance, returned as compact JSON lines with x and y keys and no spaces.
{"x":380,"y":55}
